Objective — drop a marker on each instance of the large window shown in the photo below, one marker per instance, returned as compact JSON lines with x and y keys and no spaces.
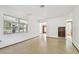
{"x":14,"y":25}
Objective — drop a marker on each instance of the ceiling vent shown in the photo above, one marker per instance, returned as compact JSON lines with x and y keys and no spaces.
{"x":42,"y":6}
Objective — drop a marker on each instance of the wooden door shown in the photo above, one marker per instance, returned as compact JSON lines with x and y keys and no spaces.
{"x":61,"y":31}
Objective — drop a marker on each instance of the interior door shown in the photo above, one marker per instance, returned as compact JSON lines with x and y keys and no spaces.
{"x":61,"y":31}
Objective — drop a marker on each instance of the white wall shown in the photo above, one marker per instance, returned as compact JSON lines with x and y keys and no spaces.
{"x":74,"y":15}
{"x":75,"y":27}
{"x":9,"y":39}
{"x":52,"y":26}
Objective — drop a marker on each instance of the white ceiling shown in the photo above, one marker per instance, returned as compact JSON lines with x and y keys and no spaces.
{"x":41,"y":13}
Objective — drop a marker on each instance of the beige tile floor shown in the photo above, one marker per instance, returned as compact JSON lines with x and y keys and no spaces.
{"x":41,"y":45}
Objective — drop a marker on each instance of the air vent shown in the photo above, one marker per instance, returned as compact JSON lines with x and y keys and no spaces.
{"x":42,"y":6}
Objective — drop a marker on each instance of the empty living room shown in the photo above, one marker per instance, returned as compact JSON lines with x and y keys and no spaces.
{"x":39,"y":29}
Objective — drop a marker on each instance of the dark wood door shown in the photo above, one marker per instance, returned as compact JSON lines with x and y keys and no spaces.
{"x":61,"y":31}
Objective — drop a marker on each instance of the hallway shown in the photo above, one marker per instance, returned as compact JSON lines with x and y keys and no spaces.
{"x":39,"y":45}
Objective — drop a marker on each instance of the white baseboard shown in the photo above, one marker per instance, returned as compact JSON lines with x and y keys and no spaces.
{"x":76,"y":46}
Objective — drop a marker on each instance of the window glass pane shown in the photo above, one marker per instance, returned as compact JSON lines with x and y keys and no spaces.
{"x":23,"y":25}
{"x":10,"y":18}
{"x":7,"y":27}
{"x":10,"y":24}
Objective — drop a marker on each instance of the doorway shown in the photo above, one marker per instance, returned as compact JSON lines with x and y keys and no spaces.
{"x":43,"y":30}
{"x":69,"y":29}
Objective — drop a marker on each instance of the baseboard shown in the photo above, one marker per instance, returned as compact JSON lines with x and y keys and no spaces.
{"x":52,"y":37}
{"x":55,"y":37}
{"x":18,"y":42}
{"x":75,"y":47}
